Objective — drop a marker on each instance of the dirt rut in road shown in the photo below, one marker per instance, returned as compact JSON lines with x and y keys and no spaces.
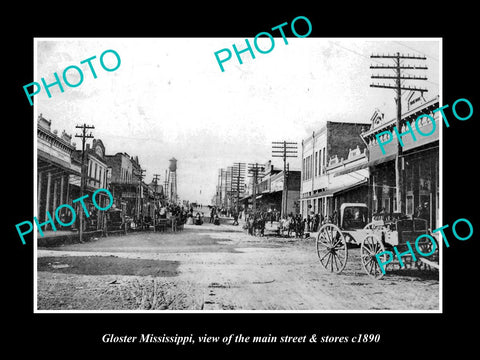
{"x":219,"y":270}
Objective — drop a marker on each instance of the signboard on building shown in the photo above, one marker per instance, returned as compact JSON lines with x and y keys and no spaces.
{"x":277,"y":185}
{"x":415,"y":99}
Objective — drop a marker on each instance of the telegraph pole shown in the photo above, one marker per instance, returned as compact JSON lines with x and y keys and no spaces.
{"x":165,"y":187}
{"x":156,"y":178}
{"x":255,"y":170}
{"x":284,"y":150}
{"x":229,"y":188}
{"x":84,"y":136}
{"x":140,"y":175}
{"x":239,"y":171}
{"x":219,"y":192}
{"x":221,"y":188}
{"x":226,"y":190}
{"x":398,"y":87}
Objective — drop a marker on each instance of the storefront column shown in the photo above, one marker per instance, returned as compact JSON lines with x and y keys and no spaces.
{"x":417,"y":201}
{"x":61,"y":189}
{"x":369,"y":195}
{"x":67,"y":193}
{"x":39,"y":192}
{"x":47,"y":198}
{"x":55,"y":188}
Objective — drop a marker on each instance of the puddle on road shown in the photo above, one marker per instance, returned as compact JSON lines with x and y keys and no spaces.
{"x":108,"y":265}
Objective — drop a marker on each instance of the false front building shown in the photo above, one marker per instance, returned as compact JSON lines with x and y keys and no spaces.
{"x":126,"y":185}
{"x":419,"y":162}
{"x":334,"y":168}
{"x":95,"y":177}
{"x":55,"y":167}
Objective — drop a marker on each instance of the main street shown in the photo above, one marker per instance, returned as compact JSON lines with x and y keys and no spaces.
{"x":212,"y":267}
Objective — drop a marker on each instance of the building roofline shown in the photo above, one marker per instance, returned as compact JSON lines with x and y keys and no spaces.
{"x":405,"y":115}
{"x":324,"y":127}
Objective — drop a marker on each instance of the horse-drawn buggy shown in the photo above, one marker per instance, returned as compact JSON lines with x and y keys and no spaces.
{"x":385,"y":231}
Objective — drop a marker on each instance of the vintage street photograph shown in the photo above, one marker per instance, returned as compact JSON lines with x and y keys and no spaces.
{"x":169,"y":178}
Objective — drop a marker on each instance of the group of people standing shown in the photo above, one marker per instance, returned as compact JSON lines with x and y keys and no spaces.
{"x":214,"y":216}
{"x":257,"y":220}
{"x":295,"y":223}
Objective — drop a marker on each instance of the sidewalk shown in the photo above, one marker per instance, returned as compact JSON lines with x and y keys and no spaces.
{"x":59,"y":237}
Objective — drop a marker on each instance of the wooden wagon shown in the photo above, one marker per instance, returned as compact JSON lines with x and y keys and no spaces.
{"x":383,"y":232}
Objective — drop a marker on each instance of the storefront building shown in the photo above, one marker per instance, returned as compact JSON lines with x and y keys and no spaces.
{"x":54,"y":169}
{"x":419,"y":163}
{"x":270,"y":192}
{"x":125,"y":185}
{"x":96,"y":169}
{"x":335,"y":147}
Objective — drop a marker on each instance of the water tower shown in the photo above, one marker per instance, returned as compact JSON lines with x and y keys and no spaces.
{"x":173,"y":180}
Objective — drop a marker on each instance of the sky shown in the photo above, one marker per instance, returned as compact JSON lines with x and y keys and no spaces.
{"x":169,"y":98}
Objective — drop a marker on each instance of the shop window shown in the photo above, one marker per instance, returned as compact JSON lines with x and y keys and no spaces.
{"x":386,"y":204}
{"x":320,"y":163}
{"x":425,"y":181}
{"x":323,"y":161}
{"x":303,"y":170}
{"x":308,"y":167}
{"x":410,"y":205}
{"x":409,"y":175}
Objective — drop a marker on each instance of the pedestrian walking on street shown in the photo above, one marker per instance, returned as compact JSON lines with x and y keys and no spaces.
{"x":316,"y":222}
{"x":291,"y":224}
{"x":261,"y":223}
{"x":212,"y":214}
{"x":250,"y":222}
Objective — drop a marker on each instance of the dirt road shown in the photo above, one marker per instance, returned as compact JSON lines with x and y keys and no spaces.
{"x":217,"y":268}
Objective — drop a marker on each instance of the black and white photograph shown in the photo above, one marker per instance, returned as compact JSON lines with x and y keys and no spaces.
{"x":216,"y":185}
{"x":300,"y":180}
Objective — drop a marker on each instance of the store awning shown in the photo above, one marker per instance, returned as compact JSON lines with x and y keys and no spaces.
{"x":353,"y":168}
{"x":336,"y":190}
{"x":48,"y":162}
{"x":350,"y":188}
{"x":245,"y":198}
{"x":382,"y":160}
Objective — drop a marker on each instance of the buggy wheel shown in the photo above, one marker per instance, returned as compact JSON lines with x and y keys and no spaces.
{"x":332,"y":248}
{"x":371,"y":246}
{"x":425,"y":248}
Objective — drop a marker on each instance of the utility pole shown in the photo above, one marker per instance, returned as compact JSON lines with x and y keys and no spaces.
{"x":84,"y":136}
{"x":398,"y":87}
{"x":284,"y":150}
{"x":239,"y":173}
{"x":221,"y":188}
{"x":219,"y":192}
{"x":165,"y":188}
{"x":156,"y":178}
{"x":228,"y":188}
{"x":256,"y":170}
{"x":140,"y":175}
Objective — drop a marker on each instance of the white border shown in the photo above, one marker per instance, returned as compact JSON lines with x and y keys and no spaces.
{"x":35,"y":237}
